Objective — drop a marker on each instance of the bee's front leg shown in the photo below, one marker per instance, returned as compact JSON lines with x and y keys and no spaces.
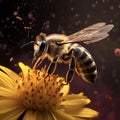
{"x":52,"y":67}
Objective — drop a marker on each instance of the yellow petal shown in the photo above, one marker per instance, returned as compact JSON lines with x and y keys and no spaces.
{"x":9,"y":110}
{"x":4,"y":92}
{"x":81,"y":119}
{"x":39,"y":116}
{"x":53,"y":116}
{"x":24,"y":68}
{"x":65,"y":89}
{"x":30,"y":115}
{"x":47,"y":116}
{"x":87,"y":113}
{"x":76,"y":102}
{"x":10,"y":73}
{"x":74,"y":106}
{"x":6,"y":81}
{"x":62,"y":115}
{"x":12,"y":115}
{"x":7,"y":105}
{"x":75,"y":96}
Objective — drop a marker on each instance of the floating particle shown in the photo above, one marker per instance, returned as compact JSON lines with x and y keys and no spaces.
{"x":108,"y":98}
{"x":30,"y":15}
{"x":103,"y":67}
{"x":72,"y":9}
{"x":4,"y":46}
{"x":18,"y":8}
{"x":15,"y":27}
{"x":50,"y":1}
{"x":53,"y":15}
{"x":5,"y":26}
{"x":31,"y":22}
{"x":117,"y":51}
{"x":96,"y":92}
{"x":7,"y":18}
{"x":96,"y":2}
{"x":103,"y":1}
{"x":16,"y":65}
{"x":78,"y":22}
{"x":13,"y":22}
{"x":46,"y":24}
{"x":118,"y":6}
{"x":19,"y":18}
{"x":15,"y":13}
{"x":11,"y":59}
{"x":93,"y":5}
{"x":27,"y":28}
{"x":111,"y":20}
{"x":111,"y":7}
{"x":88,"y":15}
{"x":77,"y":15}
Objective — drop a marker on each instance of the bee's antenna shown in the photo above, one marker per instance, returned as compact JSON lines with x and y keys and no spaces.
{"x":27,"y":44}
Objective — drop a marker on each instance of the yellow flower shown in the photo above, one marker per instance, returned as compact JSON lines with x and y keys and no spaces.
{"x":37,"y":95}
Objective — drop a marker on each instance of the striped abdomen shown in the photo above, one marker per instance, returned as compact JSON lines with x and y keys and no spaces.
{"x":85,"y":65}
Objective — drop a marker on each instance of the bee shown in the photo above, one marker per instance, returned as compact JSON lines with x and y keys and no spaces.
{"x":59,"y":48}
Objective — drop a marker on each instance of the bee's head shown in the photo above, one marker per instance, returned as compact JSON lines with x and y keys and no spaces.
{"x":40,"y":37}
{"x":40,"y":45}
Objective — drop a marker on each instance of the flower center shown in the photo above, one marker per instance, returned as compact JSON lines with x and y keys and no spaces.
{"x":39,"y":90}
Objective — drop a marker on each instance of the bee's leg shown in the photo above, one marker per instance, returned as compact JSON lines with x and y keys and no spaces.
{"x":52,"y":67}
{"x":70,"y":73}
{"x":37,"y":60}
{"x":37,"y":63}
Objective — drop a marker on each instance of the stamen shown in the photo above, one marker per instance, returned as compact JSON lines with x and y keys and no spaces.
{"x":31,"y":84}
{"x":18,"y":87}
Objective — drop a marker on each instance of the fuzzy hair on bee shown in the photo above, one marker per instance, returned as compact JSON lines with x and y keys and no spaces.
{"x":59,"y":48}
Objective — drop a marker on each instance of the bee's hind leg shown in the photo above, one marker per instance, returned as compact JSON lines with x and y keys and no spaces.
{"x":70,"y":73}
{"x":71,"y":70}
{"x":52,"y":67}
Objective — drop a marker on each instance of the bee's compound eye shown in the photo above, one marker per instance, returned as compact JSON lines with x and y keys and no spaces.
{"x":39,"y":48}
{"x":43,"y":45}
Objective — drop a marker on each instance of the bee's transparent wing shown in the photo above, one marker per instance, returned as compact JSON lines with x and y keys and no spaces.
{"x":90,"y":34}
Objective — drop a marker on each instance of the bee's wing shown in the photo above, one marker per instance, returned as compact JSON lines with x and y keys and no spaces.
{"x":90,"y":34}
{"x":57,"y":37}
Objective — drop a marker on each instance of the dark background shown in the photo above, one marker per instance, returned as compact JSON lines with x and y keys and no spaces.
{"x":66,"y":16}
